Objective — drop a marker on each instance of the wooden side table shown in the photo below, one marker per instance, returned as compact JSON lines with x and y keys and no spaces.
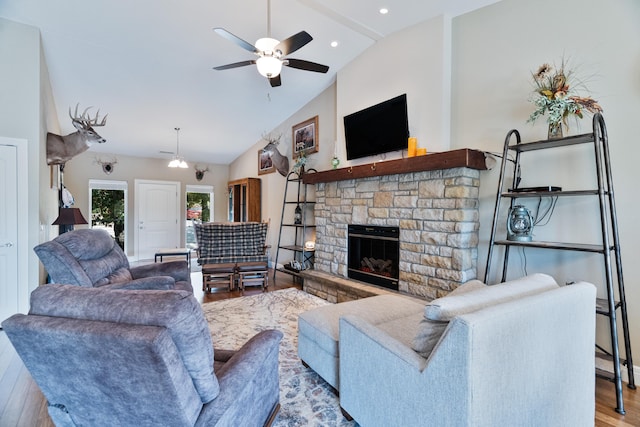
{"x":173,"y":252}
{"x":217,"y":276}
{"x":252,"y":274}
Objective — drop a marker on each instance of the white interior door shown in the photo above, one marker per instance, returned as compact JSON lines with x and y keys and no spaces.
{"x":9,"y":284}
{"x":157,"y":216}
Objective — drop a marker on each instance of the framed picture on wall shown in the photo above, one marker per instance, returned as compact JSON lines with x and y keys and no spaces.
{"x":305,"y":137}
{"x":265,"y":163}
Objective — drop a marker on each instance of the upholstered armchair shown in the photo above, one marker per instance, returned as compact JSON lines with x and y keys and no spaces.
{"x":141,"y":358}
{"x":92,"y":258}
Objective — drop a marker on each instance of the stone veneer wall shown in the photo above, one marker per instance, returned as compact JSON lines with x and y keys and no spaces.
{"x":437,"y":212}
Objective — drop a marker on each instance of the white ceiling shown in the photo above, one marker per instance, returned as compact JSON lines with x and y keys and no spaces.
{"x":148,"y":64}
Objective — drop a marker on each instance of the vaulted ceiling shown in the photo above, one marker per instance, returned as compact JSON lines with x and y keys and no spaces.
{"x":148,"y":64}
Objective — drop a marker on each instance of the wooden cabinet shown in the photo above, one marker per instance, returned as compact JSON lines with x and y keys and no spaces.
{"x":244,"y":200}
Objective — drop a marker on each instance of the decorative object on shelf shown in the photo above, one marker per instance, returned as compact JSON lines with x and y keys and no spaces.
{"x":200,"y":172}
{"x":61,"y":149}
{"x":421,"y":151}
{"x":335,"y":162}
{"x":301,"y":161}
{"x":178,"y":161}
{"x":107,"y":165}
{"x":305,"y":137}
{"x":310,"y":245}
{"x":556,"y":94}
{"x":297,"y":216}
{"x":412,"y":146}
{"x":280,"y":162}
{"x":519,"y":224}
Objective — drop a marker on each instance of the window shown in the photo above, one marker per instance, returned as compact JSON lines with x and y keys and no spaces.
{"x":199,"y":208}
{"x":108,"y":208}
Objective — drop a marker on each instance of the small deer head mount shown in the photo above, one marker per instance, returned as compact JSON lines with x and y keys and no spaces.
{"x":200,"y":172}
{"x":107,"y":165}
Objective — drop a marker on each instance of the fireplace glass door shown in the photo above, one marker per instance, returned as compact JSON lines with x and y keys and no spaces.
{"x":374,"y":254}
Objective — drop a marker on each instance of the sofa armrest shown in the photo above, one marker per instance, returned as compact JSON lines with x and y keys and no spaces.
{"x":249,"y":384}
{"x":179,"y":270}
{"x":159,"y":283}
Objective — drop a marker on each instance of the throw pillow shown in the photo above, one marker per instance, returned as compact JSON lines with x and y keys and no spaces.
{"x":430,"y":331}
{"x":439,"y":312}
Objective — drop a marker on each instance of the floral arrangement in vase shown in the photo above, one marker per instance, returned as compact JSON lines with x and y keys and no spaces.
{"x":301,"y":160}
{"x":555,"y":95}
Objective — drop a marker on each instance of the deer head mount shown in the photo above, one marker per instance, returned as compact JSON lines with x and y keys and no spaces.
{"x":61,"y":149}
{"x":107,"y":166}
{"x":280,"y":162}
{"x":200,"y":172}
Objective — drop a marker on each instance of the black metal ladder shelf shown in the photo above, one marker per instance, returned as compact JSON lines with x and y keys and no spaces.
{"x":609,"y":229}
{"x":295,"y":245}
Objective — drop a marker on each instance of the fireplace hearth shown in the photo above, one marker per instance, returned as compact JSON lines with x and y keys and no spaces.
{"x":374,"y":254}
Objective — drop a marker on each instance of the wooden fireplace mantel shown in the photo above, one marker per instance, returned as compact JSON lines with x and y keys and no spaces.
{"x":464,"y":157}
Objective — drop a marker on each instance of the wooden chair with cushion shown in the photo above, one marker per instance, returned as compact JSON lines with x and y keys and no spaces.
{"x":230,"y":250}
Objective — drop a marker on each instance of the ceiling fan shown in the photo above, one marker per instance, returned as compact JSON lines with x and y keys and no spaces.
{"x":271,"y":53}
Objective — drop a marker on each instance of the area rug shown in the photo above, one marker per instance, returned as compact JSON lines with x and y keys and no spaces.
{"x":305,"y":398}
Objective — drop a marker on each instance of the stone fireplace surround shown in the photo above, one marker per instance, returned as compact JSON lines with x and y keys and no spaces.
{"x":436,"y":211}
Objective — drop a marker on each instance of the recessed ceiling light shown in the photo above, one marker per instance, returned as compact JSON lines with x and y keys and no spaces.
{"x":334,"y":43}
{"x":384,"y":11}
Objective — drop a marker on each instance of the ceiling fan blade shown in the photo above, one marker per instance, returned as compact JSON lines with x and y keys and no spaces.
{"x":293,"y":43}
{"x":235,"y":39}
{"x":275,"y":81}
{"x":235,"y":65}
{"x":306,"y":65}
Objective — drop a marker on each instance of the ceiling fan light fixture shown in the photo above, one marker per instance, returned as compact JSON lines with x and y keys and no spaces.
{"x":269,"y":66}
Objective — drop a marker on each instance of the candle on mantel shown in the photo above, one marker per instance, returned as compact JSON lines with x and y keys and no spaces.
{"x":421,"y":151}
{"x":411,"y":149}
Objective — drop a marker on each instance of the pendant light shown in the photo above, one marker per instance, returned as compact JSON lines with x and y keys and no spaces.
{"x":178,"y":161}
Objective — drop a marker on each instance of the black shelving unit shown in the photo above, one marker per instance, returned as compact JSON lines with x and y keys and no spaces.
{"x":295,"y":232}
{"x":609,"y":248}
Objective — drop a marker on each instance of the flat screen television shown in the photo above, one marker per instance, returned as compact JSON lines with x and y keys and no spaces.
{"x":378,"y":129}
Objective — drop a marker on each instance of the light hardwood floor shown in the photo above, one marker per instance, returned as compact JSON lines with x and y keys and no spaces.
{"x":23,"y":405}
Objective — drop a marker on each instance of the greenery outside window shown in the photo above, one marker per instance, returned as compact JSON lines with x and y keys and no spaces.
{"x":108,"y":207}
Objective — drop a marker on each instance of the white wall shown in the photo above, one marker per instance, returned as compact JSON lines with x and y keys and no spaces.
{"x":23,"y":89}
{"x":415,"y":61}
{"x":84,"y":167}
{"x":495,"y":49}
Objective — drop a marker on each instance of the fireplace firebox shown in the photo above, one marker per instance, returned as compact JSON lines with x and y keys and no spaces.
{"x":374,"y":254}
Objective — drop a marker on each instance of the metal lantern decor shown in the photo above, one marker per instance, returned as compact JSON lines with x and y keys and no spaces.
{"x":519,"y":224}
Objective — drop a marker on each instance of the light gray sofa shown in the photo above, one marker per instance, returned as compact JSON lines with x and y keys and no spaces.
{"x":524,"y":360}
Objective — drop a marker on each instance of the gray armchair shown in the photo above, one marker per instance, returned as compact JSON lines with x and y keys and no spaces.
{"x":92,"y":258}
{"x":141,"y":358}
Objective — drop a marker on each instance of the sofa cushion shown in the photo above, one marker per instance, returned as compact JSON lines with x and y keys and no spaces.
{"x":429,"y":331}
{"x":446,"y":308}
{"x":231,"y":239}
{"x":178,"y":311}
{"x":467,"y":299}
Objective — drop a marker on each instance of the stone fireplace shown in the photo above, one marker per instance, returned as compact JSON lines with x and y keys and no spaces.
{"x":435,"y":211}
